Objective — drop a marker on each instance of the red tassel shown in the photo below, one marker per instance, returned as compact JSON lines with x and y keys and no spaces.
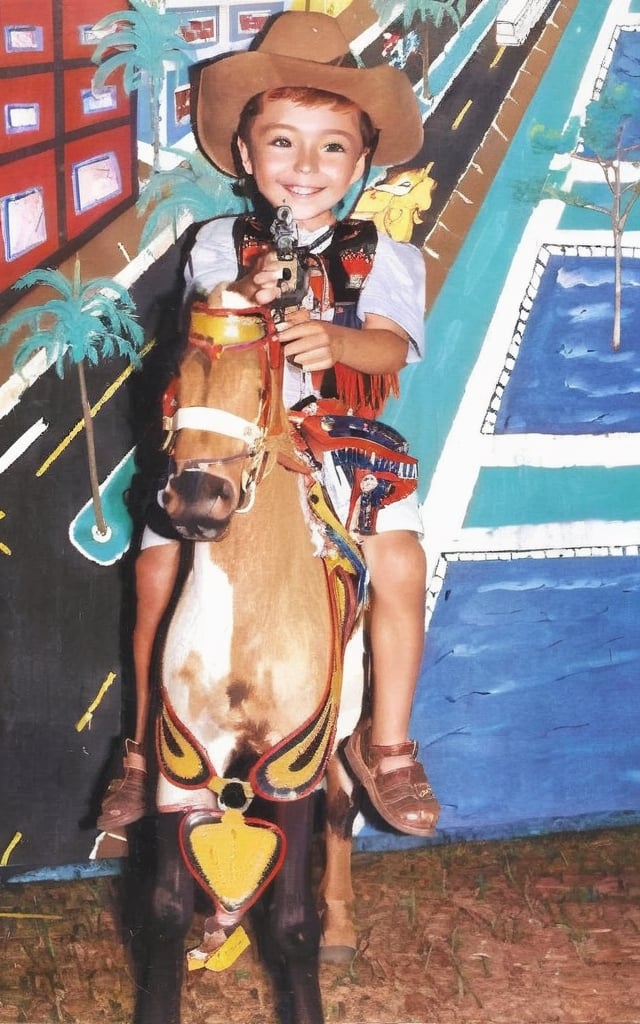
{"x":364,"y":394}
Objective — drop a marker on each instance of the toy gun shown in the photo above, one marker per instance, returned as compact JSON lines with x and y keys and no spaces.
{"x":294,"y":278}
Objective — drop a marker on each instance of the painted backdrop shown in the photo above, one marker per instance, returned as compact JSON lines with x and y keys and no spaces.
{"x":523,"y":413}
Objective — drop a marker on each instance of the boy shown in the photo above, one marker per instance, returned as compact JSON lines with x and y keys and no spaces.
{"x":305,"y":131}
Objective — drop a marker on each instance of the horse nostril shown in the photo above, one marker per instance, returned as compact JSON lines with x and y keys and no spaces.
{"x":226,"y":491}
{"x":200,"y":504}
{"x":199,"y":487}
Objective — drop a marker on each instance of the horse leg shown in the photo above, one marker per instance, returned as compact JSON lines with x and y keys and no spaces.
{"x":338,"y":943}
{"x":290,"y":924}
{"x":159,"y":946}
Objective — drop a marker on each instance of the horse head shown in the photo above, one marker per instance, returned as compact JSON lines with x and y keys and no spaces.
{"x":219,"y":414}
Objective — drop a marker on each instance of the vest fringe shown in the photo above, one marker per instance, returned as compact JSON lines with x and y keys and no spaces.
{"x":364,"y":394}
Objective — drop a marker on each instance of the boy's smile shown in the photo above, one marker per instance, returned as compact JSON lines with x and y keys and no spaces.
{"x":306,"y":157}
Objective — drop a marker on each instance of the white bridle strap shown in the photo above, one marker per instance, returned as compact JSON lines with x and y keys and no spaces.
{"x":217,"y":421}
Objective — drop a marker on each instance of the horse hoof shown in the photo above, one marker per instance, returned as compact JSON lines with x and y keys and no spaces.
{"x":336,"y":954}
{"x":338,"y":942}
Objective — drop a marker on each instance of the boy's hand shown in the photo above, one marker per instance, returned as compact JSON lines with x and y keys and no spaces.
{"x":262,"y":284}
{"x":379,"y":347}
{"x":311,"y":344}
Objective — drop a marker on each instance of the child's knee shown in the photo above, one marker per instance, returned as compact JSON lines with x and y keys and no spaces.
{"x":395,"y":559}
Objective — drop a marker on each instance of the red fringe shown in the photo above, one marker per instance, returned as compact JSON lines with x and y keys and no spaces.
{"x":364,"y":394}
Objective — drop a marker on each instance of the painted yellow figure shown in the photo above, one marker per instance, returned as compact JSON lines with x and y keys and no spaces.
{"x":397,"y":204}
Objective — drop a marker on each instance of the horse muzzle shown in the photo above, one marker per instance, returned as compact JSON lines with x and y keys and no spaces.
{"x":200,"y":504}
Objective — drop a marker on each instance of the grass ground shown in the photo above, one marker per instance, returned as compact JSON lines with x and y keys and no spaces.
{"x":535,"y":930}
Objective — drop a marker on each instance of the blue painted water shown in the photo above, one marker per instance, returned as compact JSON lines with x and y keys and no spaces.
{"x":527,"y":711}
{"x":531,"y":676}
{"x":567,"y":378}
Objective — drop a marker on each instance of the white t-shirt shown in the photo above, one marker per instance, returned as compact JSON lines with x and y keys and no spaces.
{"x":394,"y":288}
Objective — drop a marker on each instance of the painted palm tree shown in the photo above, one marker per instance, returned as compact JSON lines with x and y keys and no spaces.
{"x":417,"y":15}
{"x":141,"y":42}
{"x":89,"y":321}
{"x":194,"y":189}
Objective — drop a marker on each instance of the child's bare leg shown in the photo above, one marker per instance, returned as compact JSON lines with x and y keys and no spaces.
{"x":381,"y":755}
{"x":156,"y":570}
{"x":397,"y":570}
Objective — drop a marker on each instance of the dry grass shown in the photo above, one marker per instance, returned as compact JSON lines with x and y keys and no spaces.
{"x":538,"y":930}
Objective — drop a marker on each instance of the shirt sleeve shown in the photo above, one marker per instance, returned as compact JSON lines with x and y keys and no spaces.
{"x":212,"y":260}
{"x":395,"y":288}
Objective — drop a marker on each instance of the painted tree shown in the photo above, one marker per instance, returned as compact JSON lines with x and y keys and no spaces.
{"x":141,"y":42}
{"x":418,"y":15}
{"x":194,"y":188}
{"x":610,"y":138}
{"x":89,"y":321}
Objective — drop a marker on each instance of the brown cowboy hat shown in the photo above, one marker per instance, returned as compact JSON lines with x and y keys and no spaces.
{"x":303,"y":48}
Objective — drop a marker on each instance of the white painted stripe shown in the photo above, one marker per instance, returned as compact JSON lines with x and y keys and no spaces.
{"x":585,"y":535}
{"x":12,"y":390}
{"x":20,"y":446}
{"x":557,"y":451}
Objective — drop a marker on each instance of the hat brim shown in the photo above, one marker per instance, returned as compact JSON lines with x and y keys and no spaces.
{"x":224,"y":87}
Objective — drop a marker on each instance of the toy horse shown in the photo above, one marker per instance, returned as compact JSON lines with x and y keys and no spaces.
{"x":250,"y":669}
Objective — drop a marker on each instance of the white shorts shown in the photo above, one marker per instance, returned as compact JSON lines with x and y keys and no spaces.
{"x":151,"y":539}
{"x":403,"y":514}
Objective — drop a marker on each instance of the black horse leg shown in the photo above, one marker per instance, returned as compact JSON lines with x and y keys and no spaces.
{"x":290,"y":922}
{"x":159,"y":946}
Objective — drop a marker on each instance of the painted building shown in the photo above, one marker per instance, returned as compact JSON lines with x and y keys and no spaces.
{"x":210,"y":29}
{"x":67,"y":149}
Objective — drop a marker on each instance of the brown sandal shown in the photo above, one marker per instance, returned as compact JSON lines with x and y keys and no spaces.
{"x":403,"y":796}
{"x":125,"y":799}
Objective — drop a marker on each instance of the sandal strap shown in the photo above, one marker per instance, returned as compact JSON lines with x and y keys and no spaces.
{"x":380,"y":750}
{"x":409,"y":777}
{"x":132,"y":758}
{"x":402,"y":794}
{"x":135,"y":761}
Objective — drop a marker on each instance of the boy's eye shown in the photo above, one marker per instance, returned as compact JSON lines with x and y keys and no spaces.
{"x":280,"y":140}
{"x":334,"y":147}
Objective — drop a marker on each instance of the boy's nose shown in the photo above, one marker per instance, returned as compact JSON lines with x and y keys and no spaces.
{"x":306,"y":161}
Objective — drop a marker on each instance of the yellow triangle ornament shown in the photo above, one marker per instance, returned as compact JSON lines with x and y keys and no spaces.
{"x":233,"y":858}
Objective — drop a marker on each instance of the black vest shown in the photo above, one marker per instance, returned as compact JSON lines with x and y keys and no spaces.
{"x":346,"y":262}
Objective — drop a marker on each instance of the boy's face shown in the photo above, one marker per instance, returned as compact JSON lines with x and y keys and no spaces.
{"x":304,"y":157}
